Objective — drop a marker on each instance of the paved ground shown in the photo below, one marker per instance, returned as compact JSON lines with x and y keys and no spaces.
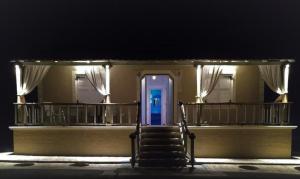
{"x":10,"y":157}
{"x":83,"y":170}
{"x":25,"y":166}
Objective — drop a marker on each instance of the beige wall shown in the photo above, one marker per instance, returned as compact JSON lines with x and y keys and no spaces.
{"x":80,"y":141}
{"x":58,"y":84}
{"x":211,"y":142}
{"x":248,"y":84}
{"x":125,"y":83}
{"x":243,"y":142}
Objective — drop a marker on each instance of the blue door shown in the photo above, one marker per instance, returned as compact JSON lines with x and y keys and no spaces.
{"x":155,"y":101}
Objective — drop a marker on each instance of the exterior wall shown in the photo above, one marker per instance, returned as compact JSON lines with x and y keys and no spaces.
{"x":78,"y":141}
{"x":243,"y":141}
{"x":248,"y":84}
{"x":211,"y":142}
{"x":58,"y":85}
{"x":125,"y":80}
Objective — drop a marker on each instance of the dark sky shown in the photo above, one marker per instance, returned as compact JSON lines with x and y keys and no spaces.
{"x":145,"y":29}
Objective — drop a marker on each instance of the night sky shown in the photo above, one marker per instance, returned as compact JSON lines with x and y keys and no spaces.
{"x":145,"y":29}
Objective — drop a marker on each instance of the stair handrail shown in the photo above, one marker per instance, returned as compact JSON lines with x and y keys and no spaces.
{"x":187,"y":132}
{"x":135,"y":137}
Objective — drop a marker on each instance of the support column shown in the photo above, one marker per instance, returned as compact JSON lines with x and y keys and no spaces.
{"x":108,"y":113}
{"x":199,"y":83}
{"x":20,"y":99}
{"x":107,"y":83}
{"x":286,"y":82}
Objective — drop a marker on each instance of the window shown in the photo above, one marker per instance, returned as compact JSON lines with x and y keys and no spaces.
{"x":223,"y":91}
{"x":85,"y":92}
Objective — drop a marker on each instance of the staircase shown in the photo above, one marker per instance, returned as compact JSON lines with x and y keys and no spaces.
{"x":161,"y":147}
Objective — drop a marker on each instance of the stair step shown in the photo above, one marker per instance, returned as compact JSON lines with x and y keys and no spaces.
{"x":162,"y":154}
{"x":175,"y":162}
{"x":160,"y":129}
{"x":161,"y":135}
{"x":161,"y":141}
{"x":161,"y":148}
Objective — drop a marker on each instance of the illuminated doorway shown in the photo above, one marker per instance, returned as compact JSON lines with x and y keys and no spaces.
{"x":157,"y":100}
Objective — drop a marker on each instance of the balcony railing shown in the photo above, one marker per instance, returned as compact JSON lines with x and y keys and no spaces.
{"x":237,"y":113}
{"x":125,"y":113}
{"x":75,"y":114}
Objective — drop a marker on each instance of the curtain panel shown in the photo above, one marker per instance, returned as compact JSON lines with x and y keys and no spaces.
{"x":96,"y":76}
{"x":209,"y":78}
{"x":28,"y":77}
{"x":276,"y":78}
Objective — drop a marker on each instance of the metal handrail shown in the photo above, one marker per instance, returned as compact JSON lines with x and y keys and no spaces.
{"x":186,"y":132}
{"x":135,"y":138}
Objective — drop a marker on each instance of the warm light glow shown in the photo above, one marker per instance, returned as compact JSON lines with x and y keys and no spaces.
{"x":153,"y":77}
{"x":82,"y":61}
{"x":18,"y":79}
{"x":229,"y":69}
{"x":82,"y":69}
{"x":8,"y":156}
{"x":286,"y":77}
{"x":203,"y":94}
{"x":107,"y":81}
{"x":198,"y":78}
{"x":248,"y":161}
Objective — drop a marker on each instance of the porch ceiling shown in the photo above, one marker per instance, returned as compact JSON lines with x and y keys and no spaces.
{"x":153,"y":61}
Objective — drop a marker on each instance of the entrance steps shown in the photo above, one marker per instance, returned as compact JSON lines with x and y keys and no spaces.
{"x":161,"y":147}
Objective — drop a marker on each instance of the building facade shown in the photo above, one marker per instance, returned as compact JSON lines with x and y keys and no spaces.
{"x":90,"y":107}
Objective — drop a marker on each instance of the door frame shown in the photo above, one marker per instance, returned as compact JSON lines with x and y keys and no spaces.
{"x":163,"y":114}
{"x":142,"y":74}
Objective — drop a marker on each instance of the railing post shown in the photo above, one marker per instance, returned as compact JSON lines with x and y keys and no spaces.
{"x":16,"y":114}
{"x":228,"y":109}
{"x":192,"y":137}
{"x":77,"y":114}
{"x":185,"y":139}
{"x":120,"y":115}
{"x":129,"y":115}
{"x":236,"y":113}
{"x":86,"y":113}
{"x":95,"y":114}
{"x":289,"y":113}
{"x":219,"y":113}
{"x":103,"y":111}
{"x":132,"y":160}
{"x":42,"y":114}
{"x":68,"y":118}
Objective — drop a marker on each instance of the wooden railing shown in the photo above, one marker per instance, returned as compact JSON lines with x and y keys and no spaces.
{"x":237,"y":113}
{"x":75,"y":114}
{"x":187,"y":135}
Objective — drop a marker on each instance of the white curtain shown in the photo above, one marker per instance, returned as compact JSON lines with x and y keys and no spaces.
{"x":209,"y":78}
{"x":96,"y":75}
{"x":276,"y":77}
{"x":28,"y":77}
